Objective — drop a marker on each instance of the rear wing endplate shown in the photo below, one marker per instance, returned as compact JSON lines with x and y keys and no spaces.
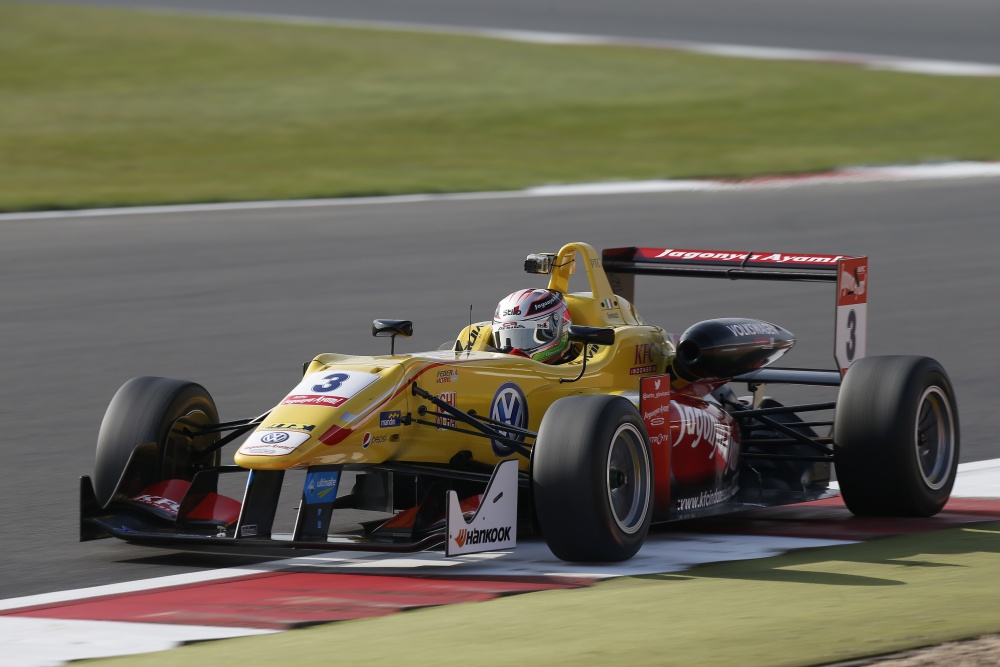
{"x":849,"y":273}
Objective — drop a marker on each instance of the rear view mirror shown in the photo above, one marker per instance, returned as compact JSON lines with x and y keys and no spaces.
{"x":591,"y":335}
{"x":393,"y":328}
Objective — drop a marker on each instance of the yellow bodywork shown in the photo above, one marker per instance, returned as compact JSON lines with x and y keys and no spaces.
{"x":368,"y":426}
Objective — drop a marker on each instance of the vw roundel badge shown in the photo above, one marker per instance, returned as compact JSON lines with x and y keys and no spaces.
{"x":510,"y":407}
{"x":274,"y":437}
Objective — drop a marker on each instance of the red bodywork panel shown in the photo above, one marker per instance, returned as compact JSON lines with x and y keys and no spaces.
{"x":164,"y":499}
{"x":695,"y":446}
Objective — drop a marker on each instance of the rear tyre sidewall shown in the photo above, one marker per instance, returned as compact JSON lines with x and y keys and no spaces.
{"x":141,"y":440}
{"x":877,"y":444}
{"x":575,"y":502}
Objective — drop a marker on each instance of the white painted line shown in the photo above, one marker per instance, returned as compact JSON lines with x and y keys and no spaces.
{"x":144,"y":585}
{"x":258,"y":205}
{"x":991,"y":464}
{"x":869,"y":61}
{"x":125,"y":587}
{"x":978,"y":480}
{"x":851,"y":175}
{"x":44,"y":642}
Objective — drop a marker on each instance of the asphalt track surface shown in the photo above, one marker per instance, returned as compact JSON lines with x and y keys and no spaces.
{"x":965,"y":30}
{"x":238,"y":300}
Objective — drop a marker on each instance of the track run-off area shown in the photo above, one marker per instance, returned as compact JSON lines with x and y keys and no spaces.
{"x":236,"y":299}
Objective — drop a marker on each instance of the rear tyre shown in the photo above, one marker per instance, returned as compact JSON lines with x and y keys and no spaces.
{"x":592,"y":479}
{"x":143,"y":438}
{"x":896,"y":437}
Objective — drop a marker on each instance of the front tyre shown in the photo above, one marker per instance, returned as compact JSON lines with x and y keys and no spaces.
{"x":592,"y":479}
{"x":896,"y":437}
{"x":146,"y":436}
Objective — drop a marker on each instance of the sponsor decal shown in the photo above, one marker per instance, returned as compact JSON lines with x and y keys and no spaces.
{"x":699,"y":426}
{"x":655,"y":388}
{"x":706,"y":498}
{"x":516,"y":310}
{"x":308,"y":428}
{"x":368,"y":439}
{"x":266,"y":450}
{"x":853,"y":282}
{"x":753,"y":329}
{"x":510,"y":407}
{"x":248,"y":531}
{"x":390,"y":419}
{"x":474,"y":336}
{"x":447,"y":375}
{"x":274,"y":438}
{"x":483,"y":536}
{"x":654,"y":404}
{"x":321,"y":487}
{"x":449,"y":397}
{"x":728,"y":256}
{"x":326,"y":401}
{"x":540,"y":306}
{"x":659,"y":439}
{"x":643,"y":354}
{"x":272,"y":443}
{"x":159,"y":502}
{"x":662,"y":408}
{"x":646,"y":356}
{"x":329,"y":388}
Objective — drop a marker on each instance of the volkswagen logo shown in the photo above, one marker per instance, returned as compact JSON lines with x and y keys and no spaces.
{"x":510,"y":407}
{"x":274,"y":437}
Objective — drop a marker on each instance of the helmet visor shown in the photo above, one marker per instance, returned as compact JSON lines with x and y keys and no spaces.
{"x":523,"y":337}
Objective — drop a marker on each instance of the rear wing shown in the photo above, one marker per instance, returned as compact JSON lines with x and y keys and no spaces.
{"x":849,"y":273}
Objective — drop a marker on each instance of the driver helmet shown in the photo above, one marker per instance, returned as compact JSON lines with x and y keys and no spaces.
{"x":534,"y":323}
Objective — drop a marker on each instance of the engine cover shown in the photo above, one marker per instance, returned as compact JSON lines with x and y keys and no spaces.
{"x":724,"y":348}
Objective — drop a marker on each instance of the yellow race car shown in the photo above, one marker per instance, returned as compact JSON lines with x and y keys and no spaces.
{"x":468,"y":444}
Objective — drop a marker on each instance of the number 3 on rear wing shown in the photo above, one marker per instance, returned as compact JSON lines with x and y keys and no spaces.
{"x":850,"y":274}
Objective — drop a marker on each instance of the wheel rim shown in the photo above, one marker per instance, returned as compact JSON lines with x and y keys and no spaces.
{"x":627,"y":478}
{"x":934,"y":437}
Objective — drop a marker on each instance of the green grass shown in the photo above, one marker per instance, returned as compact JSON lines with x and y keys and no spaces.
{"x":107,"y":107}
{"x":804,"y":608}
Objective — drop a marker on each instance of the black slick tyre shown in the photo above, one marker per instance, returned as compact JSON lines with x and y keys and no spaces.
{"x":896,"y":437}
{"x":145,"y":436}
{"x":592,"y":479}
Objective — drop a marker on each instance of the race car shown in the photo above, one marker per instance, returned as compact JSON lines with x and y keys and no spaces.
{"x":469,"y":444}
